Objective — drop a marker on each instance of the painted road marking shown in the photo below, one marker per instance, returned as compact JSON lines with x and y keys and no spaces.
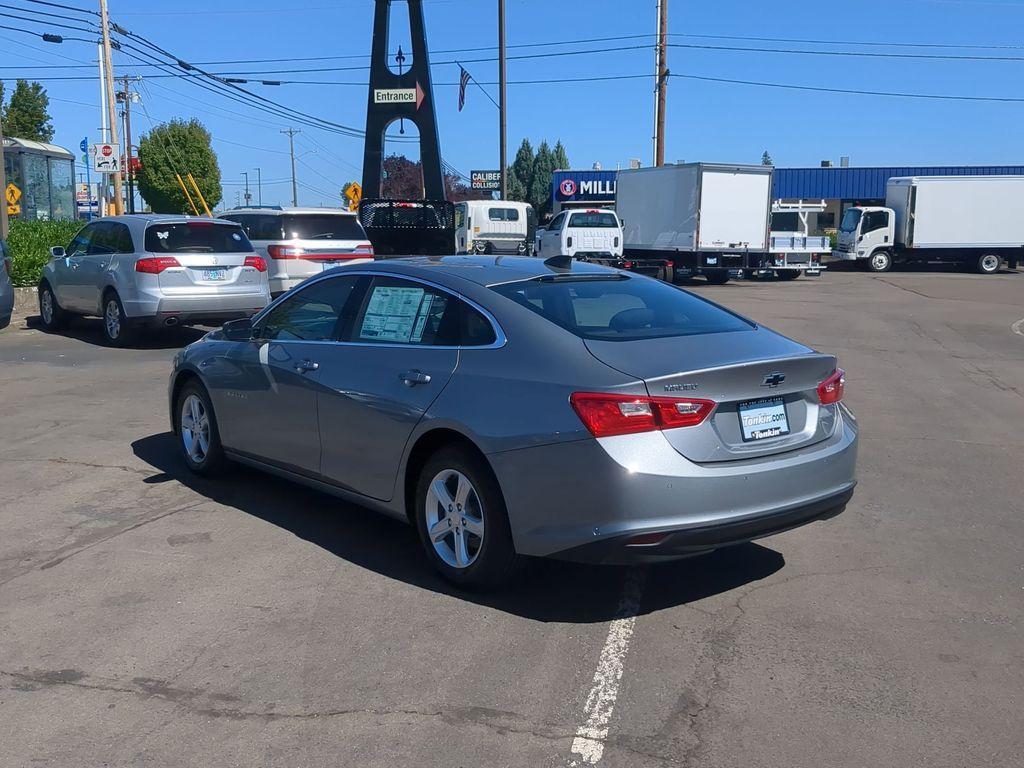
{"x":1018,"y":327}
{"x":588,"y":746}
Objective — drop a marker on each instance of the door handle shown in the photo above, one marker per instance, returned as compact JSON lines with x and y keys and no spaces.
{"x":412,"y":378}
{"x":306,"y":366}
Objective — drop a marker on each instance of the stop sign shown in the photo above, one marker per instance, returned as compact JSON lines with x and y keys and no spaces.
{"x":107,"y":150}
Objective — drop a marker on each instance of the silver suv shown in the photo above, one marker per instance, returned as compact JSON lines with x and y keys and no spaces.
{"x":151,"y":270}
{"x":301,"y":242}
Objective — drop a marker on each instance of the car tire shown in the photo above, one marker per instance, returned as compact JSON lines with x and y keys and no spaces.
{"x":787,"y":274}
{"x":988,"y":264}
{"x":470,"y":546}
{"x":117,"y":328}
{"x":195,"y":426}
{"x":51,"y":315}
{"x":720,"y":277}
{"x":879,"y":261}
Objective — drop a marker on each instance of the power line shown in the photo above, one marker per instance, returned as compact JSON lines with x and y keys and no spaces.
{"x":857,"y":54}
{"x":878,"y":43}
{"x":88,"y":11}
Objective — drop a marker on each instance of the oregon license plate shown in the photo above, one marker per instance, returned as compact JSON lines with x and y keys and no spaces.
{"x":763,"y":419}
{"x":214,"y":274}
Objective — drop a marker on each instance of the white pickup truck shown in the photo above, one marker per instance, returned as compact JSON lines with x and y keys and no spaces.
{"x":594,"y":235}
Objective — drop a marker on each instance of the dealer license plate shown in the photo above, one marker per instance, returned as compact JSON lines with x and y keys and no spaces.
{"x":214,"y":274}
{"x":763,"y":419}
{"x":325,"y":265}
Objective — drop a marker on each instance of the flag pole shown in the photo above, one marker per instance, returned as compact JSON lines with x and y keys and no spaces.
{"x":501,"y":97}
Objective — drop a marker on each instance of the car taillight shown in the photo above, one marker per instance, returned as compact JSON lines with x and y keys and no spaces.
{"x":156,"y":264}
{"x":606,"y":414}
{"x":257,"y":262}
{"x":831,"y":389}
{"x":363,"y":250}
{"x":285,"y":252}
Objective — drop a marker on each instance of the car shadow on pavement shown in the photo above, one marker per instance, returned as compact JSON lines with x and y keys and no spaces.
{"x":90,"y":331}
{"x":545,"y":590}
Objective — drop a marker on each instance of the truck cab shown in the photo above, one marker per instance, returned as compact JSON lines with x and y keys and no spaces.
{"x":494,"y":226}
{"x":868,"y":233}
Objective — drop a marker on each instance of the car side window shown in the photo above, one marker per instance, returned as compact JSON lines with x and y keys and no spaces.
{"x":397,"y":311}
{"x":875,"y":220}
{"x":121,"y":238}
{"x":556,"y":223}
{"x":80,"y":242}
{"x":315,"y":313}
{"x":103,"y":242}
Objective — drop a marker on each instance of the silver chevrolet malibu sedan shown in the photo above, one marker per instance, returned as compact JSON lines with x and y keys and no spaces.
{"x":513,"y":407}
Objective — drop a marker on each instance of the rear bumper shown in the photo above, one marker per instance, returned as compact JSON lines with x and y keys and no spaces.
{"x":210,"y":308}
{"x":284,"y":280}
{"x":607,"y":491}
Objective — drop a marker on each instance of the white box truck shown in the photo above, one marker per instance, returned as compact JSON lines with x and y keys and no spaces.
{"x":703,"y":218}
{"x":977,"y":221}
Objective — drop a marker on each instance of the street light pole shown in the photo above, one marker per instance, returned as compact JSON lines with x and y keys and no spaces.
{"x":291,"y":149}
{"x":111,"y":109}
{"x":248,"y":197}
{"x":259,"y":186}
{"x":502,"y":148}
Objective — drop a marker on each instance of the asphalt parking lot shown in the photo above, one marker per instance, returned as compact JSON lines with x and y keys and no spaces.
{"x":149,"y":618}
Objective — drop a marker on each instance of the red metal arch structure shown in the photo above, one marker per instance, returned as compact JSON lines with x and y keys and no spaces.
{"x":409,"y":95}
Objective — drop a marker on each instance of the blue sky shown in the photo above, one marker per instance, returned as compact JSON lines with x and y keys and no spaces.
{"x":607,"y":122}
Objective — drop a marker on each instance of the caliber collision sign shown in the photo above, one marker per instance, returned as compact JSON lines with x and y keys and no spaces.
{"x":489,"y":181}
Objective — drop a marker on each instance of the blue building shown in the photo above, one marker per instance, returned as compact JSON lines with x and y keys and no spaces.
{"x":843,"y":187}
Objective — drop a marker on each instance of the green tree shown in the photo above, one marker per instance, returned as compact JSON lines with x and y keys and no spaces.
{"x":177,"y":147}
{"x":26,"y":115}
{"x":520,"y":175}
{"x":766,"y":159}
{"x":561,"y":158}
{"x":540,"y":185}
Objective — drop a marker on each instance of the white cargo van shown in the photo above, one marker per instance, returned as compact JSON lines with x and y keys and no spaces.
{"x":494,"y":226}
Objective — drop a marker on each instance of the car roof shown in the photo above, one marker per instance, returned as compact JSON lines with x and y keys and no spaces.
{"x":292,"y":210}
{"x":159,"y":218}
{"x":485,"y":270}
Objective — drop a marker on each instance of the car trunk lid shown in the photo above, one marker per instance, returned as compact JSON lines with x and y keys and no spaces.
{"x":755,"y":376}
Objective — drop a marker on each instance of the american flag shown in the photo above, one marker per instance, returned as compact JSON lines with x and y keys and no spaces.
{"x":463,"y":82}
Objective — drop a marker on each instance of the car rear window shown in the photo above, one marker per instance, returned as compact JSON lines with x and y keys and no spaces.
{"x":621,"y":309}
{"x":322,"y":227}
{"x":594,"y":220}
{"x":196,"y":237}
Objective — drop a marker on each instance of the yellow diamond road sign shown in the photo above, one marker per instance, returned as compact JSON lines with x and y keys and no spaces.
{"x":12,"y":193}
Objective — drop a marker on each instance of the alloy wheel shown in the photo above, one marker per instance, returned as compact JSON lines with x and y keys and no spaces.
{"x":195,"y":428}
{"x":455,"y":518}
{"x":112,"y":319}
{"x":46,"y":306}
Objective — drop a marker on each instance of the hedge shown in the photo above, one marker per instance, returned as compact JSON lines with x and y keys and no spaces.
{"x":29,"y":243}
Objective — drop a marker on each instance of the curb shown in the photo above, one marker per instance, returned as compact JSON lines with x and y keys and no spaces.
{"x":26,"y":302}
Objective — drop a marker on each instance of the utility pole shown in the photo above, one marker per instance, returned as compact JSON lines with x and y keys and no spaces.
{"x":248,"y":197}
{"x":111,"y":109}
{"x":291,"y":149}
{"x":662,"y":83}
{"x":125,"y":96}
{"x":259,"y":186}
{"x":502,"y":146}
{"x":3,"y":186}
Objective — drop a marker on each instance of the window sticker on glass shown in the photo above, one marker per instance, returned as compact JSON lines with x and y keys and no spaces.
{"x":396,"y":314}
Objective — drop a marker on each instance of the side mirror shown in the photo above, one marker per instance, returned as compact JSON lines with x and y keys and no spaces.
{"x":238,"y":330}
{"x":58,"y":252}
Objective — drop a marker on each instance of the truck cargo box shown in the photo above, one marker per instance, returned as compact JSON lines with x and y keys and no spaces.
{"x":695,"y":207}
{"x":957,"y":211}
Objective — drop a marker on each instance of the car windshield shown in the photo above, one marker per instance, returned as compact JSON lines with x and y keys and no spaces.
{"x":322,"y":227}
{"x":594,"y":220}
{"x":196,"y":237}
{"x":621,"y":309}
{"x":850,"y":220}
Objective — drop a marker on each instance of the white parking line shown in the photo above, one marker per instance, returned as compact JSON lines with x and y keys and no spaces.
{"x":1018,"y":327}
{"x":588,"y":746}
